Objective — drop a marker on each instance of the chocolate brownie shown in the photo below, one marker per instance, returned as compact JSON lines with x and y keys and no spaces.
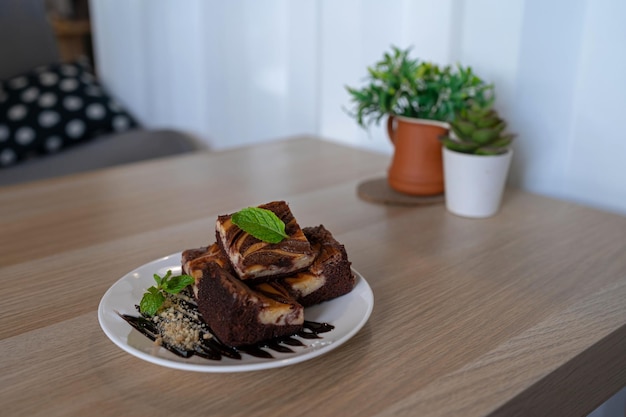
{"x":238,"y":315}
{"x":194,"y":261}
{"x":256,"y":261}
{"x":328,"y":277}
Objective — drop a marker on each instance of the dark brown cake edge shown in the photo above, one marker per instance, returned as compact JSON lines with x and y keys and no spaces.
{"x":338,"y":272}
{"x":234,"y":324}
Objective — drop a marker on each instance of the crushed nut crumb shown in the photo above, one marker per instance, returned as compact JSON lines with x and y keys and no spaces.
{"x":178,"y":326}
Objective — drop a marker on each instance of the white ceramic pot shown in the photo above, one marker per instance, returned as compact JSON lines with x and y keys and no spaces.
{"x":474,"y":184}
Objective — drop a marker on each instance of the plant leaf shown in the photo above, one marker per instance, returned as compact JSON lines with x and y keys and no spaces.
{"x":177,"y":283}
{"x":484,"y":136}
{"x":159,"y":280}
{"x":489,"y":151}
{"x":458,"y":146}
{"x":503,"y":141}
{"x":260,"y":223}
{"x":151,"y":302}
{"x":462,"y":128}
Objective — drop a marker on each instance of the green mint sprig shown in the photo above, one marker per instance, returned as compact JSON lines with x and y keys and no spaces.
{"x":260,"y":223}
{"x":154,"y":297}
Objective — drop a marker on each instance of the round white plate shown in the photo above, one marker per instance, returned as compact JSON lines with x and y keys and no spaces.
{"x":347,"y":313}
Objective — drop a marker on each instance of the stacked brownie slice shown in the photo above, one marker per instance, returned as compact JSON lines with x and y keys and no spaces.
{"x":248,"y":290}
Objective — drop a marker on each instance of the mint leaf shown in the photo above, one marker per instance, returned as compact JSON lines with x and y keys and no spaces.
{"x":151,"y":301}
{"x":154,"y":297}
{"x":157,"y":279}
{"x":260,"y":223}
{"x":176,"y":284}
{"x":160,"y":280}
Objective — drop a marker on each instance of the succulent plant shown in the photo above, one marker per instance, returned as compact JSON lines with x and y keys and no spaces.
{"x":478,"y":130}
{"x":400,"y":85}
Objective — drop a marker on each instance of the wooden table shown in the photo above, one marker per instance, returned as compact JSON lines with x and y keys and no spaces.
{"x":522,"y":314}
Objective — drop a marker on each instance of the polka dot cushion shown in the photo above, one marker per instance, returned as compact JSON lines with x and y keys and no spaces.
{"x":54,"y":107}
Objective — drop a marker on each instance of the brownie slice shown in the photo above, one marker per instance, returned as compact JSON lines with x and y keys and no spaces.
{"x":328,"y":277}
{"x":194,"y":261}
{"x":256,"y":261}
{"x":238,"y":315}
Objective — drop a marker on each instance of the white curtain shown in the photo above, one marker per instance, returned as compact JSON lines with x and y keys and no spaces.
{"x":246,"y":71}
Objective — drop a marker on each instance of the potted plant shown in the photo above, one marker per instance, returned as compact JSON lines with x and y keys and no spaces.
{"x":419,"y":98}
{"x":476,"y":160}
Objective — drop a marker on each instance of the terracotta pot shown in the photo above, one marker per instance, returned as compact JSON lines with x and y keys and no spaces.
{"x":416,"y":167}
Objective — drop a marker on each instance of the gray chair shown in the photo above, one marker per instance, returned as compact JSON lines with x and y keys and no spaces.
{"x":27,"y":41}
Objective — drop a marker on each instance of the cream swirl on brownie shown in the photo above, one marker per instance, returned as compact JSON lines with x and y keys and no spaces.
{"x":254,"y":260}
{"x":194,"y":261}
{"x":328,"y":277}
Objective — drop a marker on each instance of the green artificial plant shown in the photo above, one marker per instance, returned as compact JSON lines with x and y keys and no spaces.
{"x":478,"y":130}
{"x":402,"y":86}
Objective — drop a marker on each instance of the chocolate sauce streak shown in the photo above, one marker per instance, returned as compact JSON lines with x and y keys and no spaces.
{"x":209,"y":347}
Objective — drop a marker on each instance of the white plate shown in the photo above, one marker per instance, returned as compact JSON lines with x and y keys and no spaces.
{"x":347,"y":313}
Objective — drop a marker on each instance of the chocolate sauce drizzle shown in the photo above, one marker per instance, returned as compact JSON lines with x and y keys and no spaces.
{"x":210,"y":347}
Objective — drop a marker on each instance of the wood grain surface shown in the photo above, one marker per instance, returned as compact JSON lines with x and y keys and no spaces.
{"x":522,"y":314}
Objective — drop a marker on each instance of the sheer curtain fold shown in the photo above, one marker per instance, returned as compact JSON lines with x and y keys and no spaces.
{"x":245,"y":71}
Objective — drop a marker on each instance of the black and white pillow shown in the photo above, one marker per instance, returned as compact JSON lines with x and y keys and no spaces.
{"x":54,"y":107}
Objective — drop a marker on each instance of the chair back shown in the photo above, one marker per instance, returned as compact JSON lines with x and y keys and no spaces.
{"x":26,"y":37}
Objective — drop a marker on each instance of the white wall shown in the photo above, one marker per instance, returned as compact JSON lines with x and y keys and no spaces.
{"x":245,"y":71}
{"x":232,"y":72}
{"x":353,"y":35}
{"x":596,"y":150}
